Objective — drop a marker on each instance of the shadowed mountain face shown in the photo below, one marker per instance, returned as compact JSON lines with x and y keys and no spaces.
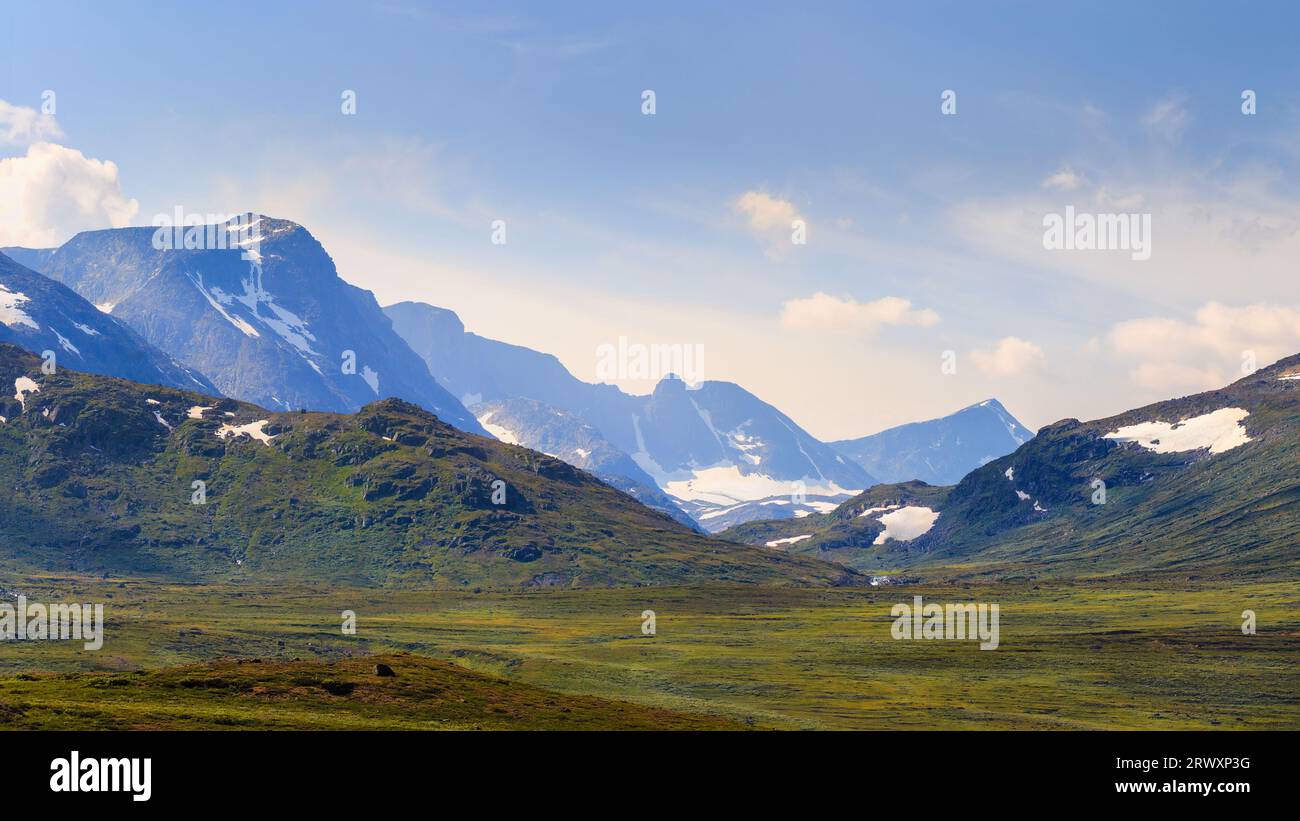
{"x":938,"y":451}
{"x":266,"y":317}
{"x":41,"y":315}
{"x":565,"y":436}
{"x":102,"y":474}
{"x":718,"y":450}
{"x":1205,"y":485}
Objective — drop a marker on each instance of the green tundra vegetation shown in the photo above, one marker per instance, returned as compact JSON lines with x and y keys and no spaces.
{"x":1071,"y":656}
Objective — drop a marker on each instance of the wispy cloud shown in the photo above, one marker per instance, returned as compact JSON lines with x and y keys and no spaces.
{"x":1168,"y":118}
{"x":842,"y":314}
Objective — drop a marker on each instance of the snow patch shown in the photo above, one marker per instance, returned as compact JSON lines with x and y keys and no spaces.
{"x":1218,"y":431}
{"x":161,"y":421}
{"x":252,"y":429}
{"x":725,"y":484}
{"x":10,"y":313}
{"x":371,"y":378}
{"x":196,"y":412}
{"x":906,"y":524}
{"x":501,"y":433}
{"x":64,"y":343}
{"x":790,"y":540}
{"x":24,"y":385}
{"x":217,"y":303}
{"x":86,"y":329}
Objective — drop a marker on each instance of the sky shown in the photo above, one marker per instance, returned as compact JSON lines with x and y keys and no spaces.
{"x":922,"y":285}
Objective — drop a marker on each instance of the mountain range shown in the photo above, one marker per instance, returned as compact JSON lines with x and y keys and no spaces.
{"x":1200,"y":485}
{"x":99,"y":474}
{"x":265,"y":317}
{"x":256,"y":306}
{"x":721,"y":454}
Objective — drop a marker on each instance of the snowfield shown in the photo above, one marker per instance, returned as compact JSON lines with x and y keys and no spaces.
{"x":725,"y":484}
{"x":10,"y":313}
{"x":906,"y":523}
{"x":253,"y":429}
{"x":501,"y":433}
{"x":24,"y":385}
{"x":1219,"y":431}
{"x":790,"y":540}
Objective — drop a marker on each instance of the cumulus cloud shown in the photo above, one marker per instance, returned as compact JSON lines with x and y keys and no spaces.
{"x":24,"y":126}
{"x":825,"y":312}
{"x":769,"y":218}
{"x":1011,"y":356}
{"x":53,"y":192}
{"x":1208,"y":351}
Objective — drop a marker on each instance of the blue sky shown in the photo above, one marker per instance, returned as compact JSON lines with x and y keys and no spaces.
{"x":660,"y":228}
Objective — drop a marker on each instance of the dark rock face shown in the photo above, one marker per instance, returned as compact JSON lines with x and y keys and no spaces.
{"x":39,"y":314}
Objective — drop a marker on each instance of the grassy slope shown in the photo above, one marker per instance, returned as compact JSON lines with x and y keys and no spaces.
{"x":315,"y":695}
{"x":91,"y":481}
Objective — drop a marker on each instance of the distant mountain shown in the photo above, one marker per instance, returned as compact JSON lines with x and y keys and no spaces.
{"x":106,"y":475}
{"x":938,"y":451}
{"x":1201,"y":486}
{"x":852,"y":531}
{"x":40,"y":315}
{"x":565,"y":436}
{"x":723,"y":454}
{"x":265,"y":316}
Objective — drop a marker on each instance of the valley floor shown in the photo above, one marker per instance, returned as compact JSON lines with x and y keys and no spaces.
{"x":1138,"y":656}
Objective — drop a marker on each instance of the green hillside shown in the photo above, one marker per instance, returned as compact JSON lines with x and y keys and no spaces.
{"x":346,"y":694}
{"x":98,"y":475}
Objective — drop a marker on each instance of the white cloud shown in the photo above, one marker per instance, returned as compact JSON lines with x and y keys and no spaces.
{"x":1065,"y":180}
{"x":1207,"y":352}
{"x":24,"y":126}
{"x":54,"y":192}
{"x":770,"y":219}
{"x":825,"y":312}
{"x":1011,"y":356}
{"x":1167,"y":118}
